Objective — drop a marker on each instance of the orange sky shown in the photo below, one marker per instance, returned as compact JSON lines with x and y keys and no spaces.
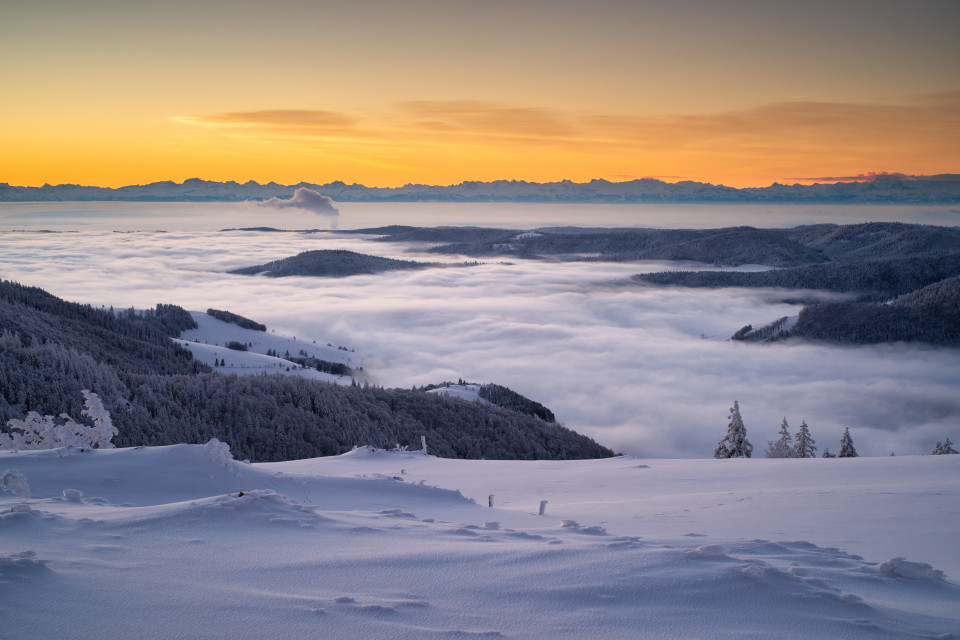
{"x":740,"y":92}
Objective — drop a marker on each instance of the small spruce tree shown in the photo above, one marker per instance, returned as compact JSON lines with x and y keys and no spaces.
{"x":827,"y":454}
{"x":847,"y":449}
{"x":803,"y":448}
{"x":944,"y":448}
{"x":781,"y":448}
{"x":735,"y":443}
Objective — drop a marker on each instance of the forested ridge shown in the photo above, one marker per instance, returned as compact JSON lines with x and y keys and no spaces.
{"x":902,"y":281}
{"x":728,"y":246}
{"x":335,"y":263}
{"x":157,"y":394}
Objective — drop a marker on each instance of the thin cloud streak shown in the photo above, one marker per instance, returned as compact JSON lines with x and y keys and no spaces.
{"x":779,"y":138}
{"x":625,"y":365}
{"x":272,"y":118}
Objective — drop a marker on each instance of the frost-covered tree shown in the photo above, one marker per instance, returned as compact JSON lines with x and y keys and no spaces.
{"x":847,"y":449}
{"x":781,"y":448}
{"x":944,"y":448}
{"x":48,"y":432}
{"x":735,"y":443}
{"x":827,"y":454}
{"x":803,"y":447}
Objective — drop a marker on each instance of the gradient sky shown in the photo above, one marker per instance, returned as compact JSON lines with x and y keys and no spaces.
{"x":738,"y":92}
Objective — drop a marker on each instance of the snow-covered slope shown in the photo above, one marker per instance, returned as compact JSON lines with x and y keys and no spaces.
{"x":208,"y":345}
{"x":184,"y":542}
{"x":468,"y":392}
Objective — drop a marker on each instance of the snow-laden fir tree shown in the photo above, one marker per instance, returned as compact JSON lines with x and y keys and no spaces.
{"x":782,"y":447}
{"x":803,"y":447}
{"x":944,"y":448}
{"x":735,"y":443}
{"x":45,"y":432}
{"x":827,"y":454}
{"x":846,"y":445}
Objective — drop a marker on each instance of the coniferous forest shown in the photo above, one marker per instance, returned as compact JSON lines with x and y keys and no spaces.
{"x":50,"y":350}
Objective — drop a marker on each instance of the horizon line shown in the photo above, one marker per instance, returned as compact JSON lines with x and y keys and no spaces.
{"x":796,"y":181}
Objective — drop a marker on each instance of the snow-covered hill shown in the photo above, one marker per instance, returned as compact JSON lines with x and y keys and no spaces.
{"x":469,"y":392}
{"x":208,"y":343}
{"x":184,"y":542}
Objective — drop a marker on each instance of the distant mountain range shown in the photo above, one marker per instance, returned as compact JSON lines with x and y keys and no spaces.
{"x":878,"y":189}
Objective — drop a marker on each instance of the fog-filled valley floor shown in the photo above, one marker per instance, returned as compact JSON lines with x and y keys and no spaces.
{"x":183,"y":541}
{"x":643,"y":370}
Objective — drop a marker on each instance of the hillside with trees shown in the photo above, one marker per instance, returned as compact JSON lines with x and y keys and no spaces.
{"x":52,"y":350}
{"x":902,"y":282}
{"x":329,"y":263}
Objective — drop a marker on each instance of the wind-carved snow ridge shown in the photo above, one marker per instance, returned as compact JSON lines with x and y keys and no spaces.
{"x":17,"y":567}
{"x":335,"y":547}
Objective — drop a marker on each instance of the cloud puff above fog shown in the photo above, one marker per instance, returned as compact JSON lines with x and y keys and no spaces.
{"x":306,"y":199}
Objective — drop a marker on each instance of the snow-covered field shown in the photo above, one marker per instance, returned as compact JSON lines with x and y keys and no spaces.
{"x":208,"y":343}
{"x":182,"y":541}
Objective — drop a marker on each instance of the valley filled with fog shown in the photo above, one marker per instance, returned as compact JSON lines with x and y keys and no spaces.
{"x":643,"y":370}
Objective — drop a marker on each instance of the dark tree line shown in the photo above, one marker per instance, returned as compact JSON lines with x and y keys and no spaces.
{"x":510,"y":399}
{"x":233,"y":318}
{"x":931,"y":315}
{"x":871,"y":280}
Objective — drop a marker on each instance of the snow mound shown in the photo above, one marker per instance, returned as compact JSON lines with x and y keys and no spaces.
{"x":12,"y":481}
{"x":20,"y":566}
{"x":903,"y":568}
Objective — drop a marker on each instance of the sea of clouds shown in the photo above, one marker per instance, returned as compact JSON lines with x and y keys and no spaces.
{"x":643,"y":370}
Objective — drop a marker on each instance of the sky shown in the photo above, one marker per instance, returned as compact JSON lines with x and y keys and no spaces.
{"x":741,"y":92}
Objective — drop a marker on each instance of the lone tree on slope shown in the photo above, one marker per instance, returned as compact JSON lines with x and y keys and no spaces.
{"x":782,"y":447}
{"x":804,"y":446}
{"x":735,"y":443}
{"x":846,"y":445}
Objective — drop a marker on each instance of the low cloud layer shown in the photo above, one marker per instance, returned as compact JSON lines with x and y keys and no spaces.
{"x":643,"y":370}
{"x":305,"y":199}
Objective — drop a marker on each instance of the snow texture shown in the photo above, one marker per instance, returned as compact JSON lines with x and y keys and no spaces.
{"x":183,"y":541}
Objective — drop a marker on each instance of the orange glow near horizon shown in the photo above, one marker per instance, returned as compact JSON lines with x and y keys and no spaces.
{"x":384,"y":94}
{"x":454,"y":141}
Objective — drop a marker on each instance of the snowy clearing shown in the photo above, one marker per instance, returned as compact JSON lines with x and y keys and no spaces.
{"x":208,"y":343}
{"x":183,"y":541}
{"x":468,"y":392}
